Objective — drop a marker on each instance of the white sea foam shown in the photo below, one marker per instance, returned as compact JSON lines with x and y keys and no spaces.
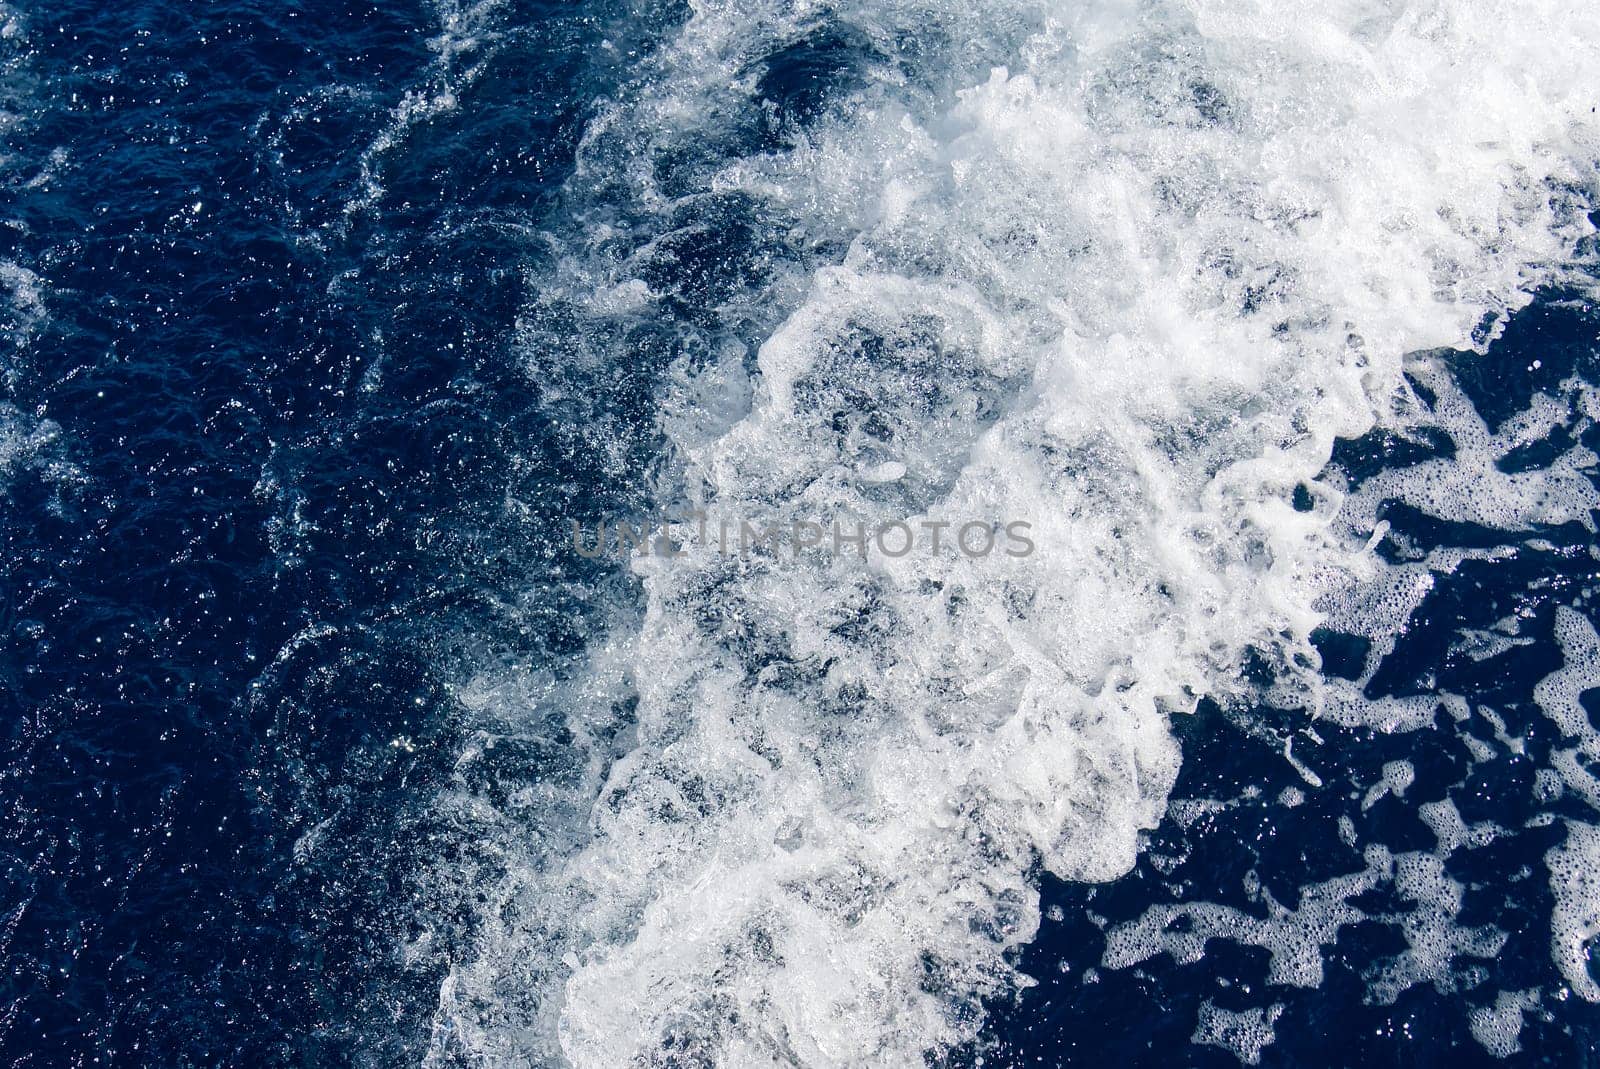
{"x":1244,"y":1035}
{"x":1574,"y":866}
{"x":1293,"y":935}
{"x":24,"y":292}
{"x":1125,"y":272}
{"x":1499,"y":1027}
{"x":1575,"y":925}
{"x":30,"y":444}
{"x":1558,"y":695}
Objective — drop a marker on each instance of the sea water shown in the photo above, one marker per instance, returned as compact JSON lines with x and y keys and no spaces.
{"x":1274,"y":324}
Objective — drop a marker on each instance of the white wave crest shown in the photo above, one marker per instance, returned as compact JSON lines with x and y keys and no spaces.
{"x":1124,"y":272}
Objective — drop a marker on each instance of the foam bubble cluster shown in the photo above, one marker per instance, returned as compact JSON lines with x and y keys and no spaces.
{"x":1575,"y":924}
{"x":1244,"y":1035}
{"x":1499,"y":1027}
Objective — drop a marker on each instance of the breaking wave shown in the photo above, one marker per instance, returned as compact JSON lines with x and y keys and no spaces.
{"x":1128,"y":273}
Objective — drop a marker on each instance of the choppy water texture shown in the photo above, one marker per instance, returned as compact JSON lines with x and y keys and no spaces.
{"x":323,"y":745}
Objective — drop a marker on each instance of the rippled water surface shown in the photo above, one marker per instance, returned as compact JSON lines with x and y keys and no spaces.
{"x":325,"y":744}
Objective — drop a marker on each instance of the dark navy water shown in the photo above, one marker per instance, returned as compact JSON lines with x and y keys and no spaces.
{"x":261,"y":427}
{"x":282,"y":399}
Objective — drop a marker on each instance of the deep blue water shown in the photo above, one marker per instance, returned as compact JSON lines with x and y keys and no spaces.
{"x":283,"y":419}
{"x":277,"y":407}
